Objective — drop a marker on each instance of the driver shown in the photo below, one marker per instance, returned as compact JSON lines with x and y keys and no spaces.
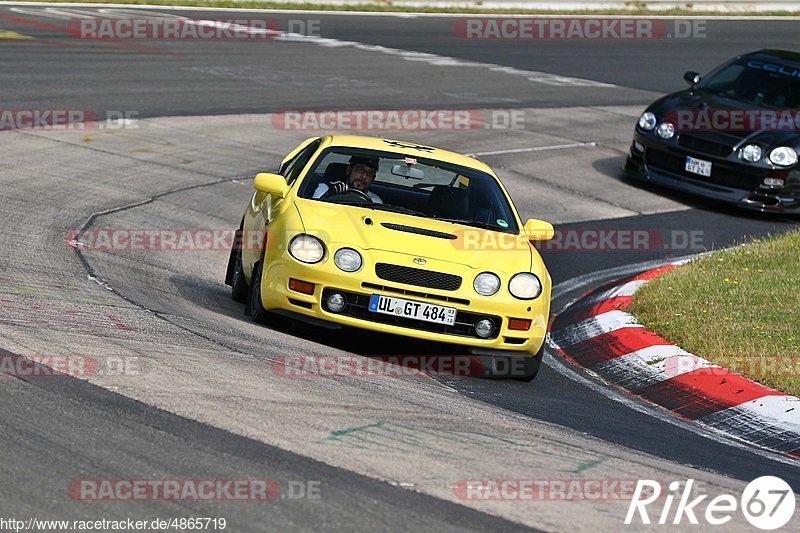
{"x":360,"y":174}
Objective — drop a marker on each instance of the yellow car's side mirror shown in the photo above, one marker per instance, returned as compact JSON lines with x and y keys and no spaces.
{"x":539,"y":230}
{"x":274,"y":184}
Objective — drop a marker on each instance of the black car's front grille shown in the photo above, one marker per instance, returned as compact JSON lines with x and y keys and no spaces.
{"x":418,"y":277}
{"x":716,"y":145}
{"x":663,"y":160}
{"x":357,"y":306}
{"x":725,"y":175}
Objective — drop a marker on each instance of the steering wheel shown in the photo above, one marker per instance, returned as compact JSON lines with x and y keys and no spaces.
{"x":360,"y":194}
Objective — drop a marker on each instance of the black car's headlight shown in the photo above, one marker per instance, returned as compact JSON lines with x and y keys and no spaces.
{"x":783,"y":156}
{"x":751,"y":152}
{"x":306,"y":248}
{"x":647,"y":121}
{"x":525,"y":286}
{"x":666,"y":130}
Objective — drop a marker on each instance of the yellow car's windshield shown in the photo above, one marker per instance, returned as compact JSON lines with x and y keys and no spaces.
{"x":411,"y":185}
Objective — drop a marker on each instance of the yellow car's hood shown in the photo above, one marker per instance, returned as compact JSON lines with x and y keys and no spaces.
{"x":418,"y":237}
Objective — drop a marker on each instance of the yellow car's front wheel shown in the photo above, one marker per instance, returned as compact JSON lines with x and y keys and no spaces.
{"x":239,"y":288}
{"x":531,"y":366}
{"x":257,"y":311}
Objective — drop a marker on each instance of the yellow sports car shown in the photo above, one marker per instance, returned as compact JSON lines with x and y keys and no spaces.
{"x":398,"y":238}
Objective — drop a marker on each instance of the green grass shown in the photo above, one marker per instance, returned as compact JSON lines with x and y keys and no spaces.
{"x":388,"y":7}
{"x":739,"y":308}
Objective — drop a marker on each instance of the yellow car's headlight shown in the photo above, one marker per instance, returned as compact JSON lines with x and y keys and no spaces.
{"x":525,"y":286}
{"x":347,"y":259}
{"x":486,"y":284}
{"x":306,"y":248}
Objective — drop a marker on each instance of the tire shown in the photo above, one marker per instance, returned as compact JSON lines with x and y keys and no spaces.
{"x":239,"y":288}
{"x":531,"y":366}
{"x":257,"y":312}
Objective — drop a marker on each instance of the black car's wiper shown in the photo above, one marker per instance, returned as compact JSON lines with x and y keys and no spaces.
{"x":736,"y":98}
{"x":724,"y":94}
{"x":707,"y":90}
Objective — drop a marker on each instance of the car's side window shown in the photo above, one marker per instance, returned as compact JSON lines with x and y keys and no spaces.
{"x":296,"y":165}
{"x":288,"y":163}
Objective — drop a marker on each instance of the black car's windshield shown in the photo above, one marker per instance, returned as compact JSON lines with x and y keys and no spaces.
{"x":410,"y":185}
{"x":758,"y":82}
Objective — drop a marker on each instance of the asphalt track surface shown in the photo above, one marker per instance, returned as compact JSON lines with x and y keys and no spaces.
{"x":62,"y":429}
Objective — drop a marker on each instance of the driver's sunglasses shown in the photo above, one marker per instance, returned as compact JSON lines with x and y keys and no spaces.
{"x":363,"y":169}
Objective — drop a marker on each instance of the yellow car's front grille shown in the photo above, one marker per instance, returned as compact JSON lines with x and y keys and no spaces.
{"x":418,"y":277}
{"x":406,"y":292}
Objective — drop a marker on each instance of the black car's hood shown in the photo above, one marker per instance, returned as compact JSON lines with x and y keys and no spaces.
{"x":697,"y":100}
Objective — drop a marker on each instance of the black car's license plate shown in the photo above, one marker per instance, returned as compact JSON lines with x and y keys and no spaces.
{"x":698,"y":166}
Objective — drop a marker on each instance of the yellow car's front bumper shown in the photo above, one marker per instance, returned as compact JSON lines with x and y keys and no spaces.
{"x":357,"y":288}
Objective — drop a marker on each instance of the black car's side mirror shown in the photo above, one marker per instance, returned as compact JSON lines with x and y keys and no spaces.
{"x":692,"y":77}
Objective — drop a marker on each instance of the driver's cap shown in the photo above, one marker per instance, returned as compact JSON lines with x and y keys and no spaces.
{"x":371,"y":162}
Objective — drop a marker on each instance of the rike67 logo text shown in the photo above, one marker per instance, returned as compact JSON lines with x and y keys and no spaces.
{"x":767,"y":503}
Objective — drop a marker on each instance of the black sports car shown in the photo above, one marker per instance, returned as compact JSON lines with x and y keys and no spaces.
{"x":733,"y":135}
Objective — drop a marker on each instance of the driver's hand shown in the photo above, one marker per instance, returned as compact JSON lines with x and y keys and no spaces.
{"x":337,"y":187}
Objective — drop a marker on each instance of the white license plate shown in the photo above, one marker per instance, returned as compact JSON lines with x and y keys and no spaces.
{"x":698,"y":166}
{"x":388,"y":305}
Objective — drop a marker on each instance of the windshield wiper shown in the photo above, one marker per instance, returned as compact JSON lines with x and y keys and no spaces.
{"x":473,"y":223}
{"x":708,"y":90}
{"x":392,"y":208}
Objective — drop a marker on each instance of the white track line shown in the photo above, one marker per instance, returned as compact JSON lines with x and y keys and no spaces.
{"x":593,"y":327}
{"x":401,"y":14}
{"x":532,"y":149}
{"x":533,"y":76}
{"x":636,"y":370}
{"x":626,"y":289}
